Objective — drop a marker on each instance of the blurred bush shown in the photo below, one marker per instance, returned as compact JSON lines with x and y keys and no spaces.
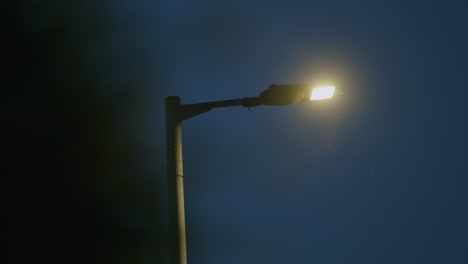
{"x":77,"y":189}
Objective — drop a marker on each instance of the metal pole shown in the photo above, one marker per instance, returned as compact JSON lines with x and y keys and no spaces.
{"x":175,"y":180}
{"x":175,"y":114}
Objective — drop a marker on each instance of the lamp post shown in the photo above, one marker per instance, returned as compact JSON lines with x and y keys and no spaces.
{"x":176,"y":113}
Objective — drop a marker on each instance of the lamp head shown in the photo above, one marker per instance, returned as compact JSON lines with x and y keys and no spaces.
{"x":294,"y":93}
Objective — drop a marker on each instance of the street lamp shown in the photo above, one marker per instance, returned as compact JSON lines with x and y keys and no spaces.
{"x":176,"y":113}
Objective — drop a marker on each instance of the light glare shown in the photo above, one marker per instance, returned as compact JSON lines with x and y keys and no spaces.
{"x":321,"y":93}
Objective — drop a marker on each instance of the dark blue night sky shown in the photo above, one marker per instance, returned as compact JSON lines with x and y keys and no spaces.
{"x":376,"y":175}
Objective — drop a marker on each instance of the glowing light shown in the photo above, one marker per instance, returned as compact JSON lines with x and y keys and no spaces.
{"x":321,"y":93}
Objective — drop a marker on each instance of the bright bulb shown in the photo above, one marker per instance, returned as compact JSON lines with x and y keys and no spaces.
{"x":321,"y":93}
